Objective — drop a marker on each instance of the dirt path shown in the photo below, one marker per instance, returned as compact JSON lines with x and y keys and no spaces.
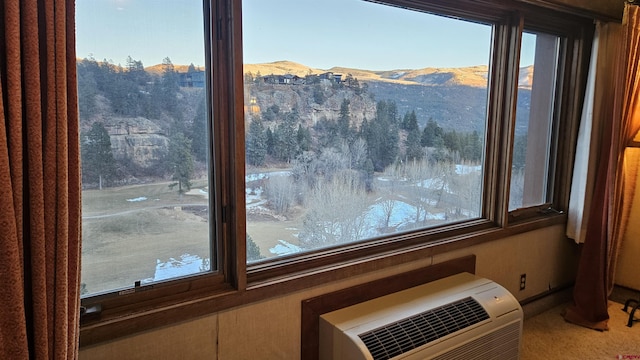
{"x":125,"y":212}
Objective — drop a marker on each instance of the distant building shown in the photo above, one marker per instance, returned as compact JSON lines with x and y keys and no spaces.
{"x":193,"y":79}
{"x":331,"y":77}
{"x":253,"y":107}
{"x":286,"y":79}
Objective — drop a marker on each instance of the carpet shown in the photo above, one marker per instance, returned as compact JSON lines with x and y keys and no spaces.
{"x":549,"y":336}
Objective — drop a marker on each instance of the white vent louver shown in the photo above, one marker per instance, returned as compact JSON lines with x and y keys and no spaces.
{"x":460,"y":317}
{"x":405,"y":335}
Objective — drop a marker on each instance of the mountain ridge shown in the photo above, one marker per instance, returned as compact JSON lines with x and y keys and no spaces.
{"x":475,"y":76}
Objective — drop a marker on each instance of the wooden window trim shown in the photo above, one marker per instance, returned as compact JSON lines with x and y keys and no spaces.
{"x":157,"y":312}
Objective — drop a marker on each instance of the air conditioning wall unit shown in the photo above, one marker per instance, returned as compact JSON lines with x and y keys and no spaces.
{"x":459,"y":317}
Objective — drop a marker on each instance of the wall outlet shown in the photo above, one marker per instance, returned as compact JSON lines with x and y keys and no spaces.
{"x":523,"y":281}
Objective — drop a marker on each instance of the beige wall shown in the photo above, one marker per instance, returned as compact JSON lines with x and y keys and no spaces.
{"x":270,"y":329}
{"x":627,"y":270}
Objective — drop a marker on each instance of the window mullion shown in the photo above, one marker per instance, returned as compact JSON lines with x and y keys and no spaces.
{"x":227,"y":70}
{"x":501,"y":118}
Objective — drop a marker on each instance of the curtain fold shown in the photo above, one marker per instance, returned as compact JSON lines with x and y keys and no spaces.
{"x":40,"y":181}
{"x":614,"y":184}
{"x":596,"y":108}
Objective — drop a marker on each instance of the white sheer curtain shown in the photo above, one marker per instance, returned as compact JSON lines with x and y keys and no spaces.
{"x":598,"y":107}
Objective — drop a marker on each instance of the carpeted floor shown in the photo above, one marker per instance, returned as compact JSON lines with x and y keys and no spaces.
{"x":548,"y":336}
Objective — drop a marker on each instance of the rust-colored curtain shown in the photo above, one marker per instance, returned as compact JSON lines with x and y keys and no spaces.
{"x":39,"y":181}
{"x":614,"y":188}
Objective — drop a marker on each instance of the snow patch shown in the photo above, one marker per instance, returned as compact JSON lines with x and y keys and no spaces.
{"x":141,"y":198}
{"x":186,"y":265}
{"x":466,"y":169}
{"x":285,"y":248}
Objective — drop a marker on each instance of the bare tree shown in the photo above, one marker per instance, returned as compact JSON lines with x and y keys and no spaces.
{"x":355,"y":153}
{"x":423,"y":184}
{"x":336,"y":211}
{"x":387,"y":206}
{"x":466,"y":187}
{"x":280,"y":192}
{"x":331,"y":161}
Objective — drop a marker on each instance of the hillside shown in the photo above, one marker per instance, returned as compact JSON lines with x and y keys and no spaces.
{"x":474,"y":76}
{"x":140,"y":108}
{"x":453,"y":97}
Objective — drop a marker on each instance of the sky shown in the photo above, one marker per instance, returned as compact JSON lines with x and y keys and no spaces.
{"x":328,"y":33}
{"x":146,"y":30}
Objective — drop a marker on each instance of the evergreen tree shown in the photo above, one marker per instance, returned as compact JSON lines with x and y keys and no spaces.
{"x":271,"y":142}
{"x":472,"y":147}
{"x":180,"y":162}
{"x":304,"y":138}
{"x":410,"y":121}
{"x":382,"y":136}
{"x":344,"y":120}
{"x":87,"y":87}
{"x":439,"y":155}
{"x":327,"y":133}
{"x":452,"y":141}
{"x":285,"y":140}
{"x":98,"y":163}
{"x":429,"y":134}
{"x":168,"y":89}
{"x":387,"y":111}
{"x":135,"y":72}
{"x":412,"y":144}
{"x":253,"y":250}
{"x":271,"y":113}
{"x":256,"y":143}
{"x":318,"y":95}
{"x":199,"y":131}
{"x":368,"y":175}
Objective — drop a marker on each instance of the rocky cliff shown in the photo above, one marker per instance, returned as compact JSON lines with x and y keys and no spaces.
{"x":310,"y":110}
{"x":137,"y":140}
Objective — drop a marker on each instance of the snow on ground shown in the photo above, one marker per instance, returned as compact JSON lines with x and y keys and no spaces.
{"x":198,"y":192}
{"x":467,"y":169}
{"x":260,"y":176}
{"x":141,"y":198}
{"x":401,"y":214}
{"x":254,"y":177}
{"x":253,"y":197}
{"x":433,"y":184}
{"x":186,"y":265}
{"x":285,"y":248}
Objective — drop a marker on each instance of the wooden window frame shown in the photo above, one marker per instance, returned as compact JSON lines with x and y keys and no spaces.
{"x":234,"y":283}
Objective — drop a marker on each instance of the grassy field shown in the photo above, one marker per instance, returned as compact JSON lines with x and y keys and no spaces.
{"x":128,"y":230}
{"x":122,"y":240}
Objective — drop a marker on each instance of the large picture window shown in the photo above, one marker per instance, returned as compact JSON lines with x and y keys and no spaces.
{"x":359,"y":126}
{"x":234,"y":150}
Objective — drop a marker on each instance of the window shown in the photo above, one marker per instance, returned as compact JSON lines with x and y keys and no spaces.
{"x":533,"y":152}
{"x":237,"y":149}
{"x":145,"y":153}
{"x":363,"y":132}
